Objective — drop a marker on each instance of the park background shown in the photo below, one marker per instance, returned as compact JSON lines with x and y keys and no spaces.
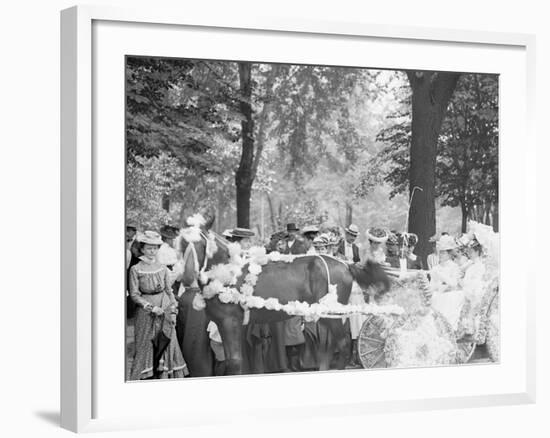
{"x":262,"y":145}
{"x":29,"y":179}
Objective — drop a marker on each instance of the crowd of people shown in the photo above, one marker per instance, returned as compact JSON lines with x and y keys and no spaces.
{"x":455,"y":269}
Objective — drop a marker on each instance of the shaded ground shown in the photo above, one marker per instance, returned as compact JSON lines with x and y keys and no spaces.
{"x":480,"y":354}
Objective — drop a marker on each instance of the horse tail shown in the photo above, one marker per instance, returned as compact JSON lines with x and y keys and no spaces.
{"x":370,"y":274}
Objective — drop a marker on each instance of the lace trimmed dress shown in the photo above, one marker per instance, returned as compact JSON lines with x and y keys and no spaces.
{"x":150,"y":286}
{"x":447,"y":298}
{"x":474,"y":287}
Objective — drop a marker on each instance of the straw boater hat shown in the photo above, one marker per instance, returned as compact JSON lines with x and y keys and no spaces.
{"x":242,"y":232}
{"x":353,"y":230}
{"x":150,"y":238}
{"x":446,"y":243}
{"x":310,"y":229}
{"x":377,"y":235}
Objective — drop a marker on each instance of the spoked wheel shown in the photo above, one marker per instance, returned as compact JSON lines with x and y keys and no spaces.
{"x":371,"y":343}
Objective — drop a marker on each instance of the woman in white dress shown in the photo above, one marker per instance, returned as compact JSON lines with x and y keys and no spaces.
{"x":474,"y":287}
{"x":377,"y":238}
{"x":446,"y":297}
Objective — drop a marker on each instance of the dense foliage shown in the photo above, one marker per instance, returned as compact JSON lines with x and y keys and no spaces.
{"x":467,"y":152}
{"x":315,"y":143}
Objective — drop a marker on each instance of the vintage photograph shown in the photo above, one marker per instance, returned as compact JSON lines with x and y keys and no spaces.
{"x":301,"y":218}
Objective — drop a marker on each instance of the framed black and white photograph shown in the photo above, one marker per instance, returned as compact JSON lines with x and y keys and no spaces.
{"x":333,"y":235}
{"x":281,"y":207}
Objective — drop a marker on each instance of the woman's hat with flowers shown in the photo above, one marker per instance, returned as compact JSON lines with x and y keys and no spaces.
{"x":150,"y":238}
{"x":378,"y":235}
{"x":446,"y":243}
{"x":321,"y":240}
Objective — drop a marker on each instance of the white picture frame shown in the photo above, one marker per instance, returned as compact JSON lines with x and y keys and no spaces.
{"x":83,"y":237}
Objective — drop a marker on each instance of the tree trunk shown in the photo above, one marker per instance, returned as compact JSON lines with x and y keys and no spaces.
{"x":465,"y":214}
{"x":431,"y":93}
{"x":244,"y":177}
{"x":495,"y":217}
{"x":349,"y":214}
{"x":487,"y":213}
{"x":274,"y":224}
{"x":166,"y":202}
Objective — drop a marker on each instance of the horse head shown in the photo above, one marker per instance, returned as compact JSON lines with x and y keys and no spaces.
{"x":370,"y":276}
{"x":199,"y":247}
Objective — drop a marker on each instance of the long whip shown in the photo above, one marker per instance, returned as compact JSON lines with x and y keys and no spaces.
{"x":415,"y":188}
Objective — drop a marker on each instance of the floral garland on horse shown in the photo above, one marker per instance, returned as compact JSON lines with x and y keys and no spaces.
{"x":221,"y":281}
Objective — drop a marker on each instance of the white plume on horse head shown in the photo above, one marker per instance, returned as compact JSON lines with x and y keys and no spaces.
{"x":197,"y":220}
{"x":211,"y":245}
{"x":191,"y":234}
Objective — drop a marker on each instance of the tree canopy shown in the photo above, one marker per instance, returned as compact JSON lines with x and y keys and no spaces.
{"x":297,"y":143}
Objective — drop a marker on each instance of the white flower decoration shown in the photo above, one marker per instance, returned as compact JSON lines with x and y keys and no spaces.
{"x":247,"y":289}
{"x":198,"y":302}
{"x":254,"y":269}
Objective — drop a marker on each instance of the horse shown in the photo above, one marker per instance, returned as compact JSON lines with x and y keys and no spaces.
{"x":305,"y":279}
{"x":191,"y":324}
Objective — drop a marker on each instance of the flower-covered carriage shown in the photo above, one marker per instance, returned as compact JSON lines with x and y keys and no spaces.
{"x":422,"y":336}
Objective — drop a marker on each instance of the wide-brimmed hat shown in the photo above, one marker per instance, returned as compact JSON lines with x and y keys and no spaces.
{"x":353,"y":230}
{"x":446,"y":243}
{"x":321,"y":240}
{"x":242,"y":232}
{"x":292,"y":227}
{"x":378,"y":235}
{"x":310,"y":229}
{"x":169,"y":231}
{"x":150,"y":238}
{"x":131,"y":226}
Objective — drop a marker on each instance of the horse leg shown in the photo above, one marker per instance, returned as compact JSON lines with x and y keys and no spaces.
{"x":326,"y":345}
{"x":192,"y":336}
{"x":342,"y":342}
{"x":231,"y":331}
{"x":229,"y":319}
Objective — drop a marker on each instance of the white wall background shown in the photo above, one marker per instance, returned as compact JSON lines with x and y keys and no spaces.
{"x":29,"y":229}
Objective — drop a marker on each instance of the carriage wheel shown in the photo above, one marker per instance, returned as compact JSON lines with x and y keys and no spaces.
{"x":370,"y":343}
{"x":493,"y":330}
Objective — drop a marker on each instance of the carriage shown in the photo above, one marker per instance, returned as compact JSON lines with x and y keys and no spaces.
{"x":422,"y":336}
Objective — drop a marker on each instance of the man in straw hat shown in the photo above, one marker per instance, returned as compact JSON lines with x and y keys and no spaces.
{"x":347,"y":247}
